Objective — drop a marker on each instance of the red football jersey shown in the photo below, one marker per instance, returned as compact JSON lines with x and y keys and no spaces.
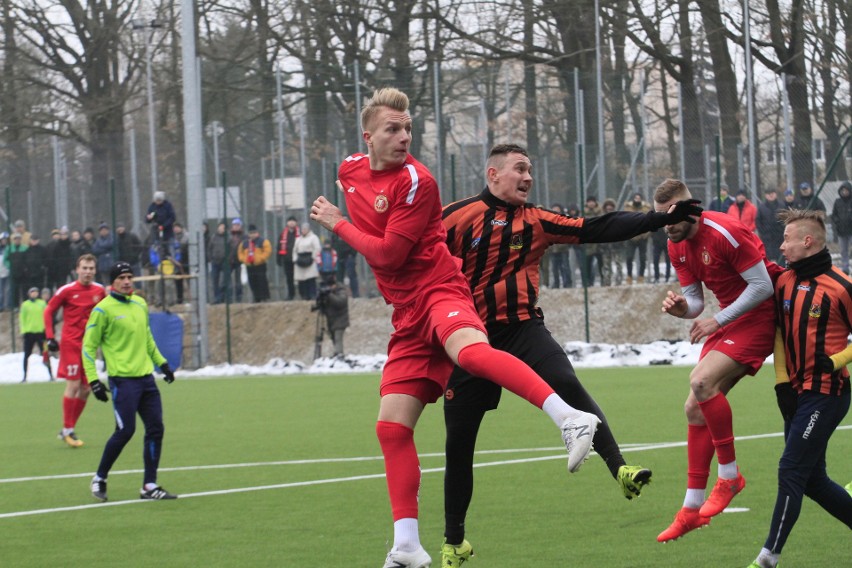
{"x":717,"y":254}
{"x":404,"y":201}
{"x":76,"y":302}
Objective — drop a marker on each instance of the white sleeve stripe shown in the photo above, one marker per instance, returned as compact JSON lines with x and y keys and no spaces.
{"x":722,"y":230}
{"x":414,"y":182}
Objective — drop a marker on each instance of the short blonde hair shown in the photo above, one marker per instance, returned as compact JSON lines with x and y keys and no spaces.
{"x":386,"y":97}
{"x":812,"y":222}
{"x":670,"y":189}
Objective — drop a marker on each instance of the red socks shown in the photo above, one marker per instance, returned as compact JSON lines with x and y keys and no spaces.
{"x":72,"y":408}
{"x":402,"y":468}
{"x":68,"y":417}
{"x":720,"y":422}
{"x":699,"y":454}
{"x":482,"y":360}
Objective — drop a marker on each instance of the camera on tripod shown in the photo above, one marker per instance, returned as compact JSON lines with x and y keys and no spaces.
{"x":322,"y":297}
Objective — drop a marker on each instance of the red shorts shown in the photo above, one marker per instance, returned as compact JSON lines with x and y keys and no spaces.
{"x":70,"y":363}
{"x":417,"y":364}
{"x":748,"y":340}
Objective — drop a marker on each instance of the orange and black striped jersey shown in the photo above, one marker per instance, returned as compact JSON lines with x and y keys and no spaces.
{"x":814,"y":316}
{"x":501,"y":247}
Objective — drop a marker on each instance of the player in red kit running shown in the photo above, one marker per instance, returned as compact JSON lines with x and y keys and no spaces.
{"x":722,"y":254}
{"x":76,"y":301}
{"x":395,"y":208}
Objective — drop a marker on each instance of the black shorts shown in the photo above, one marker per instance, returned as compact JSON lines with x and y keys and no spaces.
{"x":530,"y":341}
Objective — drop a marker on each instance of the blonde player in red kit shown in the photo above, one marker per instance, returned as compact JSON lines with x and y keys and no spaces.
{"x":395,"y":208}
{"x":76,"y":301}
{"x":721,"y":253}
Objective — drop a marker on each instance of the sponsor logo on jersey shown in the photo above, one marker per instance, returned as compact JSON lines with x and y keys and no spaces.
{"x":705,"y":256}
{"x":815,"y":311}
{"x":803,"y":288}
{"x":119,"y":318}
{"x":351,"y":190}
{"x":449,"y":395}
{"x":499,"y":222}
{"x":729,"y":341}
{"x":452,"y":314}
{"x":516,"y":242}
{"x":381,"y":203}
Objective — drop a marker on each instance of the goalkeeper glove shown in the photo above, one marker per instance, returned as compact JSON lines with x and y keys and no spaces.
{"x":684,"y":211}
{"x":788,"y":400}
{"x":52,"y":345}
{"x":169,"y":375}
{"x":99,"y":390}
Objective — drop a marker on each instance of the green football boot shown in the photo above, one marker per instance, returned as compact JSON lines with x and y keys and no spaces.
{"x":454,"y":555}
{"x":632,"y":478}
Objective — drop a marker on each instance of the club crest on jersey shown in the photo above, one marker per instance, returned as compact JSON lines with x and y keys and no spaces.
{"x":516,"y":242}
{"x":787,"y":304}
{"x":475,"y":243}
{"x":381,"y":203}
{"x":705,"y":256}
{"x":815,"y":311}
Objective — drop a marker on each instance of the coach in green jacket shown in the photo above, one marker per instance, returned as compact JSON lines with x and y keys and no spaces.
{"x":119,"y":326}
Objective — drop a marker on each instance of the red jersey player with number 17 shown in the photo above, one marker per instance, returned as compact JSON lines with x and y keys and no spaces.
{"x":721,"y":253}
{"x":395,"y":208}
{"x":76,"y":300}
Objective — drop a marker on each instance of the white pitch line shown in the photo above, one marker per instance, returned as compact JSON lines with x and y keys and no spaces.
{"x":631,"y":448}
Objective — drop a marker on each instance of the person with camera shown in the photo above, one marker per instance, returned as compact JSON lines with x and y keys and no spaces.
{"x":333,"y":303}
{"x":306,"y":249}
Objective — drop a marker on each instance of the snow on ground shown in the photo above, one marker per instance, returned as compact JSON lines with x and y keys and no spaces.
{"x":582,"y":355}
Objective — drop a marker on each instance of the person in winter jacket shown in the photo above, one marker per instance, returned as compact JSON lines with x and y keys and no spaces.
{"x":103,"y":249}
{"x":35,"y":260}
{"x":60,"y":262}
{"x":284,"y":258}
{"x":162,"y":214}
{"x":254,"y":251}
{"x":639,"y":243}
{"x":306,"y":248}
{"x":744,"y":210}
{"x":13,"y":258}
{"x":841,"y":219}
{"x":806,"y":198}
{"x":769,"y":227}
{"x":217,"y":256}
{"x":237,"y":235}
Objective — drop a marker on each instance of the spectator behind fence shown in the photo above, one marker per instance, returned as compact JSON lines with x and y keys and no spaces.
{"x":36,"y":263}
{"x":60,"y":262}
{"x":306,"y":249}
{"x":841,"y":220}
{"x":129,"y":248}
{"x":744,"y":210}
{"x":769,"y":227}
{"x":806,"y":198}
{"x":254,"y":252}
{"x":14,"y":259}
{"x":639,"y":243}
{"x":236,"y":283}
{"x":284,"y":258}
{"x":102,"y":248}
{"x":4,"y":273}
{"x":346,"y":263}
{"x":218,"y":259}
{"x":162,"y":214}
{"x":721,"y":201}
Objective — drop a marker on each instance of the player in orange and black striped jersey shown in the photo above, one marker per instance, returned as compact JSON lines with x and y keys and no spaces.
{"x":501,"y":240}
{"x":814,"y":317}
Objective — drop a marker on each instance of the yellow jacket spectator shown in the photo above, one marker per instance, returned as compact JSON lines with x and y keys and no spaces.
{"x":254,"y":251}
